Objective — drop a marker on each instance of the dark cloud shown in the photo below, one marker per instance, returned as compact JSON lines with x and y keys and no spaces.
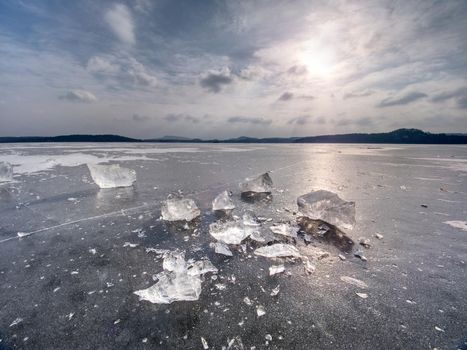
{"x":250,"y":120}
{"x":297,"y":70}
{"x":175,"y":118}
{"x":406,"y":99}
{"x":301,"y":120}
{"x":459,"y":95}
{"x":78,"y":96}
{"x":140,"y":118}
{"x":358,"y":94}
{"x":215,"y":81}
{"x":286,"y":96}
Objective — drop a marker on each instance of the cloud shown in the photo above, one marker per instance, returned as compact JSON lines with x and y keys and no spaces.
{"x":302,"y":120}
{"x":100,"y":65}
{"x":297,"y":70}
{"x":140,"y":118}
{"x":286,"y":96}
{"x":121,"y":23}
{"x":250,"y":120}
{"x":214,"y":81}
{"x":403,"y":100}
{"x":459,"y":95}
{"x":357,"y":94}
{"x":360,"y":122}
{"x":78,"y":96}
{"x":176,"y":118}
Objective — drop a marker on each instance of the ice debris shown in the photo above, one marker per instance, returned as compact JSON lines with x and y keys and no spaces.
{"x":278,"y":250}
{"x":327,"y":206}
{"x":223,"y":202}
{"x":111,"y":176}
{"x":275,"y":291}
{"x":179,"y":209}
{"x":362,"y":295}
{"x":205,"y":343}
{"x":180,"y":280}
{"x":285,"y":230}
{"x":275,"y":269}
{"x":457,"y":224}
{"x":229,"y":232}
{"x":309,"y":267}
{"x":221,"y":248}
{"x":260,"y":184}
{"x":260,"y":311}
{"x":6,"y":171}
{"x":354,"y":281}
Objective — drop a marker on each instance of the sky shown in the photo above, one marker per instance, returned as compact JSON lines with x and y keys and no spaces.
{"x":220,"y":69}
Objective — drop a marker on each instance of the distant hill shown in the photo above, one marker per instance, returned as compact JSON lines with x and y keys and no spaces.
{"x":407,"y":136}
{"x":69,"y":138}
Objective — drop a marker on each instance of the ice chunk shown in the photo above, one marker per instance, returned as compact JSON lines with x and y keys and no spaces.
{"x":180,"y":280}
{"x":223,"y":202}
{"x":111,"y":176}
{"x":274,"y":269}
{"x":275,"y":291}
{"x":260,"y":184}
{"x":6,"y":172}
{"x":178,"y":209}
{"x":285,"y":230}
{"x":327,"y":206}
{"x":278,"y":250}
{"x":260,"y":311}
{"x":230,"y":232}
{"x":262,"y":236}
{"x":250,"y":219}
{"x":221,"y":248}
{"x":354,"y":281}
{"x":309,"y":267}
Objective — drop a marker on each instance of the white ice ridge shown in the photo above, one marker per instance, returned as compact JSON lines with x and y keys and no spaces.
{"x":223,"y":202}
{"x":229,"y":232}
{"x":6,"y":172}
{"x":327,"y":206}
{"x":260,"y":184}
{"x":111,"y":176}
{"x":180,"y":280}
{"x":278,"y":250}
{"x":179,"y":209}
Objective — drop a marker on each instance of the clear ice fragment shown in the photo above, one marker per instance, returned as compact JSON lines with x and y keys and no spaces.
{"x":179,"y":209}
{"x":6,"y":172}
{"x":221,"y":248}
{"x":223,"y":202}
{"x":230,"y":232}
{"x":275,"y":269}
{"x":111,"y":176}
{"x":285,"y":230}
{"x":278,"y":250}
{"x":260,"y":184}
{"x":328,"y":207}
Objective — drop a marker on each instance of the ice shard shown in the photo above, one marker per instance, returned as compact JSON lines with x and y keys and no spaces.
{"x":328,"y":207}
{"x":179,"y":209}
{"x":285,"y":230}
{"x":221,"y":248}
{"x":260,"y":184}
{"x":111,"y":176}
{"x":278,"y":250}
{"x":180,"y":280}
{"x":229,"y":232}
{"x":223,"y":202}
{"x":6,"y":172}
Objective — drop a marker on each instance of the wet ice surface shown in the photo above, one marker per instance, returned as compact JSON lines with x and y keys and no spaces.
{"x":71,"y":282}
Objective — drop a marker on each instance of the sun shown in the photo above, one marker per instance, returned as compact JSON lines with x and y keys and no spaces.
{"x":319,"y":62}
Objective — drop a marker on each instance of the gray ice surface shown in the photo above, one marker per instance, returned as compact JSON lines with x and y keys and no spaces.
{"x":69,"y":281}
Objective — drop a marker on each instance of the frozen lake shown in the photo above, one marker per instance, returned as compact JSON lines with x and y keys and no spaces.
{"x":70,"y":283}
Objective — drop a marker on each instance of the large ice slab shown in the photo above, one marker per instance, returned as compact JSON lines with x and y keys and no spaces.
{"x":180,"y":280}
{"x":329,"y":207}
{"x":111,"y":176}
{"x":278,"y":250}
{"x":223,"y":202}
{"x":260,"y":184}
{"x":6,"y":172}
{"x":229,"y":232}
{"x":179,"y":209}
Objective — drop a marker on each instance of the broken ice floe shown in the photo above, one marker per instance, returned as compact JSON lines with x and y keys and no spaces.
{"x":326,"y":232}
{"x":278,"y":250}
{"x":221,"y":248}
{"x":354,"y":281}
{"x":180,"y":280}
{"x":223,"y":202}
{"x":260,"y":184}
{"x":179,"y":209}
{"x":328,"y":207}
{"x":229,"y":232}
{"x":111,"y":176}
{"x":285,"y":230}
{"x":6,"y":172}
